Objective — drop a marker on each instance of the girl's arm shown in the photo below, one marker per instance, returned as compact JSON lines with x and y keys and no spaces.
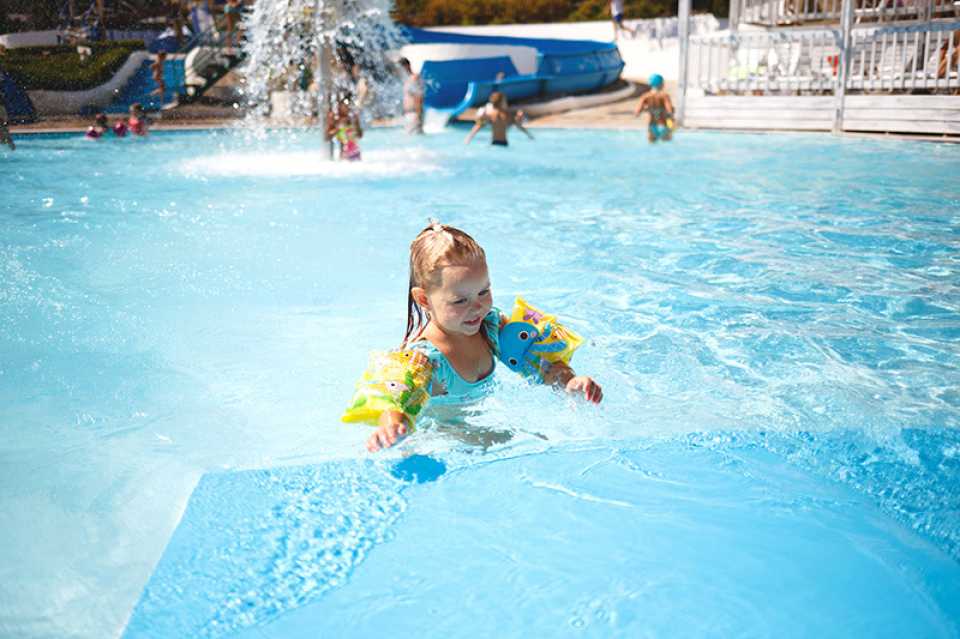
{"x":641,"y":106}
{"x":516,"y":123}
{"x":392,"y":426}
{"x":356,"y":124}
{"x":667,"y":103}
{"x":476,"y":127}
{"x":562,"y":376}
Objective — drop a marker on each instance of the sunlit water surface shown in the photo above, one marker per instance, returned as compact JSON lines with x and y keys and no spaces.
{"x":775,"y":321}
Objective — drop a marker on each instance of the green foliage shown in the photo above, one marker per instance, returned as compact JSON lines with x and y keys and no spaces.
{"x":60,"y":69}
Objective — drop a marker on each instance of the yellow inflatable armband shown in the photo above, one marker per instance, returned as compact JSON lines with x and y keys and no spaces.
{"x":394,"y":380}
{"x":532,"y":340}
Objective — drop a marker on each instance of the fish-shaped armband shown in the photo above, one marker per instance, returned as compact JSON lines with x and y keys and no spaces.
{"x":394,"y":380}
{"x":532,"y":340}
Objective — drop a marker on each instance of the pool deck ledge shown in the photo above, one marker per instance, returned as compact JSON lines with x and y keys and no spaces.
{"x":614,"y":111}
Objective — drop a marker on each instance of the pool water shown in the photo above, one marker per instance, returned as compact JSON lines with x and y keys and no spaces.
{"x":774,"y":320}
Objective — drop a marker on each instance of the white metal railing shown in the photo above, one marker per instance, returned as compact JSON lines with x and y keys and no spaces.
{"x":768,"y":62}
{"x":660,"y":29}
{"x":905,"y":58}
{"x":806,"y":61}
{"x":793,"y":12}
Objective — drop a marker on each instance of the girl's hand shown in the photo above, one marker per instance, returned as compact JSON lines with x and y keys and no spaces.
{"x":392,"y":428}
{"x":585,"y":385}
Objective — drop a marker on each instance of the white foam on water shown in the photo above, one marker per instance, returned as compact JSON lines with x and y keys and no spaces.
{"x":375,"y":164}
{"x":435,"y":121}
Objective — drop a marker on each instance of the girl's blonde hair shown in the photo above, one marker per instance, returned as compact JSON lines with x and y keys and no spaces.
{"x":436,"y":246}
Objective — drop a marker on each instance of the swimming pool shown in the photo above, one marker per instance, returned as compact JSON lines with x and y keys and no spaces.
{"x":774,"y":319}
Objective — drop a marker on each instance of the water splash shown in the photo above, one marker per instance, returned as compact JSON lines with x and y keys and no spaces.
{"x":308,"y":48}
{"x":285,"y":164}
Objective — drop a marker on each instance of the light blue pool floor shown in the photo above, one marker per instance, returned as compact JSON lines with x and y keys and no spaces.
{"x":643,"y":539}
{"x":774,"y":319}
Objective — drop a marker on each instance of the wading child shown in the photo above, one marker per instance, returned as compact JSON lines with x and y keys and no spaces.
{"x":100,"y":126}
{"x":453,"y":338}
{"x":137,"y":122}
{"x":656,"y":102}
{"x":344,"y":125}
{"x":500,"y":117}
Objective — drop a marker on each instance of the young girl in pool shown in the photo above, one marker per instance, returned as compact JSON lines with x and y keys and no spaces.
{"x":343,"y":124}
{"x":452,"y":323}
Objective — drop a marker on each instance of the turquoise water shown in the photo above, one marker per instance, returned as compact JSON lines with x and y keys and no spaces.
{"x":774,"y":318}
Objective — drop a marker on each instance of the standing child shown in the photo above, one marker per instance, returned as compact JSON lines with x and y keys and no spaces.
{"x":5,"y":137}
{"x":500,"y":117}
{"x":616,"y":14}
{"x":656,"y":102}
{"x":344,"y":125}
{"x":232,"y":14}
{"x":412,"y":99}
{"x":452,"y":340}
{"x":137,"y":122}
{"x":157,"y":69}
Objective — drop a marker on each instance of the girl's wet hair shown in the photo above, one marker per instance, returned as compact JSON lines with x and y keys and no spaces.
{"x":436,"y":246}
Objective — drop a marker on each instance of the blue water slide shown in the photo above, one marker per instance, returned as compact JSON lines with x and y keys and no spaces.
{"x":563,"y":67}
{"x":15,"y":100}
{"x":447,"y":81}
{"x":141,"y":86}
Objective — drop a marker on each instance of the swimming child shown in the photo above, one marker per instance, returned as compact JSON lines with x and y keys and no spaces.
{"x":500,"y":117}
{"x":453,"y":326}
{"x":137,"y":122}
{"x":120,"y":129}
{"x":656,"y":102}
{"x":344,"y":125}
{"x":5,"y":137}
{"x":100,"y":126}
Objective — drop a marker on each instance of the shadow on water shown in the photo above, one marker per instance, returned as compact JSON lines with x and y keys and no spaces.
{"x":419,"y":469}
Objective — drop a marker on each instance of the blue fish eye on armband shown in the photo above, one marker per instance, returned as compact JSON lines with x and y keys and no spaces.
{"x":532,"y":340}
{"x":394,"y":381}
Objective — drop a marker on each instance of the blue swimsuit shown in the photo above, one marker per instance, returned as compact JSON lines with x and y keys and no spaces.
{"x":458,"y":390}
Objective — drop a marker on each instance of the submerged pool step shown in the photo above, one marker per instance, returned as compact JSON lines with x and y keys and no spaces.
{"x":658,"y":540}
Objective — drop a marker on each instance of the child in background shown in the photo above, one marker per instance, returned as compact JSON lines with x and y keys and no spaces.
{"x":500,"y":117}
{"x":616,"y":14}
{"x":656,"y":102}
{"x":232,"y":13}
{"x":137,"y":122}
{"x":5,"y":137}
{"x":157,"y":69}
{"x":96,"y":130}
{"x":452,"y":323}
{"x":344,"y":125}
{"x":412,"y":99}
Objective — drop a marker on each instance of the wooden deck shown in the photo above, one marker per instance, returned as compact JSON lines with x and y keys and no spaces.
{"x":930,"y":114}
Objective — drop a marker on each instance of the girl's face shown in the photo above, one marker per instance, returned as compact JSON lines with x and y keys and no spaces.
{"x":458,"y":304}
